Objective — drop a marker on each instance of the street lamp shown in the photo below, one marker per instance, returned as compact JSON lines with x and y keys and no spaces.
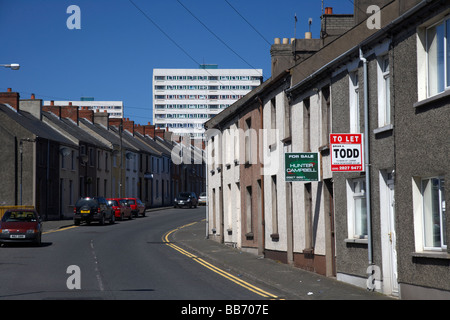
{"x":13,"y":66}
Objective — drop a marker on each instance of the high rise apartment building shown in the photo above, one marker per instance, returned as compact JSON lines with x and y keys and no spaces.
{"x":184,"y":99}
{"x":114,"y":108}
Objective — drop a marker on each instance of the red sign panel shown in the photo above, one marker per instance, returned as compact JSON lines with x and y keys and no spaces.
{"x":347,"y":152}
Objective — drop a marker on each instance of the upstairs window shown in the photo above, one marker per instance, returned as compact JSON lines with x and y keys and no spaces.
{"x":438,"y":57}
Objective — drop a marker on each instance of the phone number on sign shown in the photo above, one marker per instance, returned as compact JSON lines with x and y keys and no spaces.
{"x":347,"y":168}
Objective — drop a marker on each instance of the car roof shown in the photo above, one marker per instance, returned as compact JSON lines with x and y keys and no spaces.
{"x":21,"y":210}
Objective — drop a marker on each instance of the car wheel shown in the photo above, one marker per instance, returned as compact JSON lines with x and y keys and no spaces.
{"x":113,"y":219}
{"x":39,"y":240}
{"x":102,"y":220}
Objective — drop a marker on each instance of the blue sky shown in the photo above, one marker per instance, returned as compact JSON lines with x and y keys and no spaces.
{"x":113,"y":54}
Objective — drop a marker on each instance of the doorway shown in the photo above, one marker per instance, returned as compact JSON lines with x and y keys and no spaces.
{"x":388,"y":234}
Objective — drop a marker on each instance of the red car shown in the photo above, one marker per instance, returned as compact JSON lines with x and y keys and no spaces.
{"x":120,"y":207}
{"x":137,"y":207}
{"x":21,"y":225}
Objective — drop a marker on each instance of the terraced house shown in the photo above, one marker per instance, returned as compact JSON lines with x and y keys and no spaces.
{"x":384,"y":76}
{"x":52,"y":155}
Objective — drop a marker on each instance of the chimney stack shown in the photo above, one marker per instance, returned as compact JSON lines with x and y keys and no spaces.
{"x":11,"y":98}
{"x":87,"y":114}
{"x":128,"y":125}
{"x":70,"y":112}
{"x":53,"y":109}
{"x":101,"y":118}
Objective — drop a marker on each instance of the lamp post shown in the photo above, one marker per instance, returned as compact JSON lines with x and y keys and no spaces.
{"x":12,"y":66}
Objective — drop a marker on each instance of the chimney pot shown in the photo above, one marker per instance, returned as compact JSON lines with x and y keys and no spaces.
{"x":285,"y":41}
{"x":328,"y":10}
{"x":277,"y":41}
{"x":33,"y":96}
{"x":9,"y":90}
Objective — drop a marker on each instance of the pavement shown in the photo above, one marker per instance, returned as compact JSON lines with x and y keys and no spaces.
{"x":284,"y":281}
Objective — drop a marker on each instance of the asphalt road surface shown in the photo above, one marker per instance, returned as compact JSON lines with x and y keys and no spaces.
{"x":124,"y":261}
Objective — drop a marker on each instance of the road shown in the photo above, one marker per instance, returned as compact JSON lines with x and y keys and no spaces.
{"x":128,"y":260}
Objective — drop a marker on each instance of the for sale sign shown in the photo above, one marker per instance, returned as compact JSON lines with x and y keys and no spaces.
{"x":347,"y":153}
{"x":302,"y":167}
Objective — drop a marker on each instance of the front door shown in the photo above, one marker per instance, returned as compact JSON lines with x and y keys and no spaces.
{"x":392,"y":239}
{"x":388,"y":235}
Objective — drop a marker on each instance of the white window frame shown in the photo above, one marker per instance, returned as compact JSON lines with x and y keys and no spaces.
{"x":442,"y":209}
{"x":384,"y":98}
{"x":352,"y":212}
{"x":446,"y":24}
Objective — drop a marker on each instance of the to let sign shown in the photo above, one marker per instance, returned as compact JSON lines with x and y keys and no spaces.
{"x":347,"y":153}
{"x":302,"y":167}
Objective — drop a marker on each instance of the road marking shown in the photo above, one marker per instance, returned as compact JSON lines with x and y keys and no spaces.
{"x":215,"y":269}
{"x":58,"y":230}
{"x":97,"y":271}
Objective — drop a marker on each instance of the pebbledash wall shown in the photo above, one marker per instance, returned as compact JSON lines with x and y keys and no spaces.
{"x":409,"y":159}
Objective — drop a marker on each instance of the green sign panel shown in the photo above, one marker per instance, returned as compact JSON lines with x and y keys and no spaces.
{"x":302,"y":167}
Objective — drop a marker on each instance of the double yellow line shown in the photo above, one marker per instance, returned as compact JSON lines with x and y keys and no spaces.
{"x":215,"y":269}
{"x":58,"y":230}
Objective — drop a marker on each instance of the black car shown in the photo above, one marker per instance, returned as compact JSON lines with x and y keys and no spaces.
{"x":93,"y":209}
{"x":186,"y":199}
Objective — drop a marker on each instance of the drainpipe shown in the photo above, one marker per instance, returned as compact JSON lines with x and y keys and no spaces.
{"x":367,"y":155}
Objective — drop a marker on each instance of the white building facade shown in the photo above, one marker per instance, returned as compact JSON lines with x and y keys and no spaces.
{"x":113,"y":108}
{"x":184,"y":99}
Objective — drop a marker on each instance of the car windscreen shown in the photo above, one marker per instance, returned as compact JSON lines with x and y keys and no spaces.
{"x":19,"y":216}
{"x":184,"y":195}
{"x":131,"y":201}
{"x":113,"y":203}
{"x":86,"y":202}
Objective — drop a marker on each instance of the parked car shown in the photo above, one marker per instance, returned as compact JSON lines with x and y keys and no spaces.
{"x":137,"y":207}
{"x":186,"y":199}
{"x":93,"y":209}
{"x":120,"y":207}
{"x":21,"y":225}
{"x":202,"y":198}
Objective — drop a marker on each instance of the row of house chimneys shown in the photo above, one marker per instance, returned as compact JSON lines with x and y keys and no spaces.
{"x":75,"y":113}
{"x":287,"y":52}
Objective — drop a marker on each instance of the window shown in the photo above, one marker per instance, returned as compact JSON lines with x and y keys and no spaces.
{"x":273,"y":120}
{"x":356,"y":209}
{"x":434,"y":215}
{"x":438,"y":57}
{"x":354,"y":102}
{"x":326,"y":115}
{"x":287,"y":118}
{"x":384,"y":92}
{"x":306,"y":125}
{"x":248,"y":212}
{"x":248,"y":147}
{"x":274,"y":208}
